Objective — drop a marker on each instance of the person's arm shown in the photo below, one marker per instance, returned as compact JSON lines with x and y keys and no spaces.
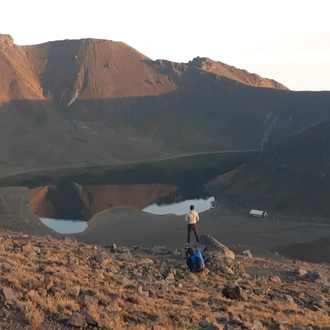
{"x":197,"y":217}
{"x":187,"y":217}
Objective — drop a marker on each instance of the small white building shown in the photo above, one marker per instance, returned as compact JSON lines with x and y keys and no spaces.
{"x":258,"y":213}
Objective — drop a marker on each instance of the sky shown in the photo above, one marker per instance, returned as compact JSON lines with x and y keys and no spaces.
{"x":286,"y":40}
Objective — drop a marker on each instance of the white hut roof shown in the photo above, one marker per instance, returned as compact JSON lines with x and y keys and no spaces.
{"x":256,"y":212}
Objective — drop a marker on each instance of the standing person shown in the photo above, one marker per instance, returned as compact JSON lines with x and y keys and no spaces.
{"x":195,"y":261}
{"x":192,"y":217}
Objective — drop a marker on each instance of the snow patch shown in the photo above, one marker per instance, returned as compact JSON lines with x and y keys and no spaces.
{"x":74,"y":98}
{"x":267,"y":127}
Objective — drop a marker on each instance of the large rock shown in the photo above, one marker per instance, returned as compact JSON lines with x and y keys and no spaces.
{"x":216,"y":260}
{"x":213,"y":245}
{"x":90,"y":320}
{"x":233,"y":292}
{"x":8,"y":295}
{"x":158,"y":249}
{"x":227,"y":270}
{"x":77,"y":320}
{"x":301,"y":271}
{"x":212,"y":326}
{"x":247,"y":253}
{"x":313,"y":276}
{"x":90,"y":302}
{"x":275,"y":279}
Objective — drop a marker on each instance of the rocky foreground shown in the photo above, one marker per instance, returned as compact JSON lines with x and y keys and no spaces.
{"x":49,"y":283}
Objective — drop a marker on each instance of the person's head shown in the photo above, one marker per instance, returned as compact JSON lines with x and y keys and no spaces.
{"x":192,"y":207}
{"x":190,"y":251}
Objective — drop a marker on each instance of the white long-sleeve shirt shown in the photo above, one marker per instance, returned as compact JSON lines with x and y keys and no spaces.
{"x":192,"y":217}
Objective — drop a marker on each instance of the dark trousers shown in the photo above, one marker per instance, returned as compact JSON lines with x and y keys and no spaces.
{"x":190,"y":264}
{"x":191,"y":227}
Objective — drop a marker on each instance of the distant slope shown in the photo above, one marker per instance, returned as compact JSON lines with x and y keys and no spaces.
{"x":293,"y":176}
{"x":242,"y":76}
{"x":86,"y":102}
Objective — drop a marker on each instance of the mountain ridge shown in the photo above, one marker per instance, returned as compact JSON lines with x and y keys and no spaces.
{"x":92,"y":101}
{"x":77,"y":55}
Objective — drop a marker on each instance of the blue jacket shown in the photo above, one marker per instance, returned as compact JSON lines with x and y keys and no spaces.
{"x":196,"y":261}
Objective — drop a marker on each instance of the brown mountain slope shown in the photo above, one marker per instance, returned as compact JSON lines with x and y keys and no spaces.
{"x":18,"y":80}
{"x":231,"y":72}
{"x":94,"y":69}
{"x":293,"y":176}
{"x":83,"y":102}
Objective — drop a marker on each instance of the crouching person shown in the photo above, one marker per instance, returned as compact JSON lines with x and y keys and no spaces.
{"x":195,"y":261}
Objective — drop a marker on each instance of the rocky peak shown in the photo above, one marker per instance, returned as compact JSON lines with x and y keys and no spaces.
{"x":201,"y":62}
{"x":6,"y":41}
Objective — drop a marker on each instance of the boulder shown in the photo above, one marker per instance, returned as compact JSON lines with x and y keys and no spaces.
{"x":289,"y":299}
{"x":275,"y":279}
{"x":227,"y":270}
{"x":77,"y":320}
{"x":233,"y":292}
{"x":90,"y":320}
{"x":247,"y":253}
{"x":301,"y":271}
{"x":215,"y":260}
{"x":213,"y":326}
{"x":101,"y":257}
{"x":8,"y":295}
{"x":213,"y":245}
{"x":90,"y":302}
{"x":123,"y":249}
{"x":158,"y":249}
{"x":313,"y":276}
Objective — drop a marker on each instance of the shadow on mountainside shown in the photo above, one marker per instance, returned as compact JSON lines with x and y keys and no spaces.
{"x":209,"y":116}
{"x":292,"y":177}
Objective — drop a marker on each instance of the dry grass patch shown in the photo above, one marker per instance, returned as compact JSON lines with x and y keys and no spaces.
{"x":67,"y":304}
{"x":33,"y":314}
